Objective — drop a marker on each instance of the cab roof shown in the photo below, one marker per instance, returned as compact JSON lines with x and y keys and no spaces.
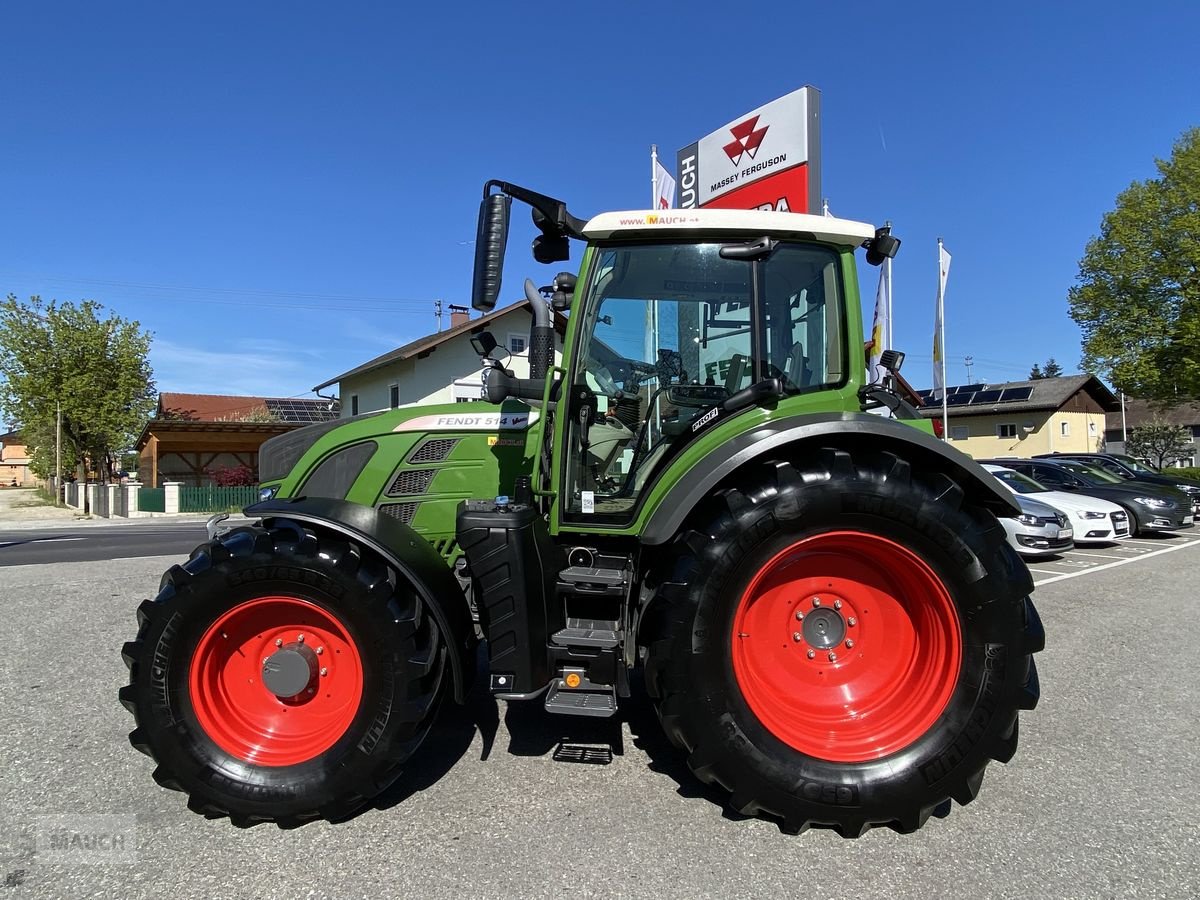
{"x":694,"y":222}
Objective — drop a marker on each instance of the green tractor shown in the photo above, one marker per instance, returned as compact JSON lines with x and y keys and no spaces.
{"x":819,"y":600}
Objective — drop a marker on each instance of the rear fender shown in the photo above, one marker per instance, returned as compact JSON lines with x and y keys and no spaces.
{"x":793,"y":436}
{"x":402,"y":548}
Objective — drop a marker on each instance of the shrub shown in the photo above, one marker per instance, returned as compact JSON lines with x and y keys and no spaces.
{"x":232,"y":476}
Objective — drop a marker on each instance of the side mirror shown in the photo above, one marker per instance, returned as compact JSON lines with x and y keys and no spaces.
{"x":491,"y":238}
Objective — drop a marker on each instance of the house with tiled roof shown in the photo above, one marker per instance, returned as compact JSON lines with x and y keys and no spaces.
{"x":191,"y":436}
{"x":441,"y":367}
{"x":1065,"y":414}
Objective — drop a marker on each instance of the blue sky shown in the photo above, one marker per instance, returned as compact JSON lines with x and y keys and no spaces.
{"x":280,"y":191}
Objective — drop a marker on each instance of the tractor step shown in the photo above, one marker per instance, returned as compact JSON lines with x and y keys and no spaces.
{"x":571,"y":694}
{"x":586,"y":636}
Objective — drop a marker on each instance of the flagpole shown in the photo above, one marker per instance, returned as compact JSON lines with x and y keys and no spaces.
{"x":942,"y":319}
{"x":653,"y":175}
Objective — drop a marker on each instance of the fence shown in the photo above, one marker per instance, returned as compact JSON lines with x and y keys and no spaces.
{"x":152,"y":499}
{"x":216,"y":499}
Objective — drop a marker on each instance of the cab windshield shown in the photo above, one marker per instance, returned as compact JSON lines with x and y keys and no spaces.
{"x":673,"y":329}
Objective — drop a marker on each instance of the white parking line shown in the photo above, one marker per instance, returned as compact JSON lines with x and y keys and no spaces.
{"x":1062,"y":576}
{"x":1099,"y":555}
{"x":41,"y":541}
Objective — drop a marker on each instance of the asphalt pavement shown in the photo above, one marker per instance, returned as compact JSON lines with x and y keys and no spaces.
{"x":115,"y":541}
{"x":1100,"y":800}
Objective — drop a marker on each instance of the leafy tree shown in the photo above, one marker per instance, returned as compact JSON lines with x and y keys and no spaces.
{"x":1138,"y":293}
{"x":1159,"y":442}
{"x":1035,"y":373}
{"x":96,"y":369}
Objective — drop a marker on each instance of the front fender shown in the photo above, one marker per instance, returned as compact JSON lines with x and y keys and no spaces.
{"x":402,"y":548}
{"x":796,"y":433}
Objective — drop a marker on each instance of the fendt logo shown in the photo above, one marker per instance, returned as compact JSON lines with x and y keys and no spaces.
{"x":746,"y":140}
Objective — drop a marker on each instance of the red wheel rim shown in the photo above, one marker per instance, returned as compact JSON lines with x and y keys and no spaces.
{"x":242,"y":715}
{"x":865,"y":688}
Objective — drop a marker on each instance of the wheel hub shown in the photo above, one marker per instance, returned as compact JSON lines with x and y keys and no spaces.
{"x":287,"y":672}
{"x":824,"y":628}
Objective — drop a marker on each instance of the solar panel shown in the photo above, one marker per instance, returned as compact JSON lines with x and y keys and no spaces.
{"x":959,"y":399}
{"x":967,"y":388}
{"x":1021,"y":393}
{"x":302,"y":411}
{"x":986,"y":396}
{"x":926,"y":394}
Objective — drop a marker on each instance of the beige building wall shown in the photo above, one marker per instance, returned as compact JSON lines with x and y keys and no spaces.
{"x":1026,"y":434}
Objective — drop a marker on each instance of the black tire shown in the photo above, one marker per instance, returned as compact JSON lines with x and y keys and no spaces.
{"x":402,"y":667}
{"x":688,"y":637}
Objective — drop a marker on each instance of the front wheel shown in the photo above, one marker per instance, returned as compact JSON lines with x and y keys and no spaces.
{"x":281,"y":675}
{"x":843,"y":643}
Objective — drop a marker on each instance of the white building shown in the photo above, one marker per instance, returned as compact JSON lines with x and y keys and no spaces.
{"x":442,"y":367}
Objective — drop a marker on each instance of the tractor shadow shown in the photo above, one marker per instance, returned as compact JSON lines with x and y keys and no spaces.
{"x":664,"y":758}
{"x":448,"y":741}
{"x":533,"y":732}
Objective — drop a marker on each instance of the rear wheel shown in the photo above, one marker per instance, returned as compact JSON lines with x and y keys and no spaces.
{"x":843,"y":643}
{"x":282,"y":676}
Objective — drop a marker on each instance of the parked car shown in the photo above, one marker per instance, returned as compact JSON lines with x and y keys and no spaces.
{"x":1130,"y":469}
{"x":1092,"y":519}
{"x":1040,"y":530}
{"x":1151,"y":507}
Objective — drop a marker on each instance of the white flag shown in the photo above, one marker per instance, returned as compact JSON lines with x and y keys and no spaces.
{"x":939,"y":327}
{"x":664,"y":187}
{"x":880,"y":327}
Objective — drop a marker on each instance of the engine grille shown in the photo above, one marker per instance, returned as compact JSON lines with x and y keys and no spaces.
{"x":434,"y":450}
{"x":402,"y":511}
{"x":411,"y":481}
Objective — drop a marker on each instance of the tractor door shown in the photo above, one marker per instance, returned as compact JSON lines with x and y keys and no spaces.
{"x":669,"y":331}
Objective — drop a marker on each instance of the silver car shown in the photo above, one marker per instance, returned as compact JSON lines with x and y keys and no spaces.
{"x":1040,"y":530}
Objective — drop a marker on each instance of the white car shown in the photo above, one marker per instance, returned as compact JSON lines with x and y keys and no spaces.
{"x":1094,"y":520}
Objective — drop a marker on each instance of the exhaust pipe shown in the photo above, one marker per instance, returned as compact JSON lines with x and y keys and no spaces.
{"x":541,"y":333}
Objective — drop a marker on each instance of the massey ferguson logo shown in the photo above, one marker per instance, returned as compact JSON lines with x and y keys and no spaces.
{"x":746,"y":140}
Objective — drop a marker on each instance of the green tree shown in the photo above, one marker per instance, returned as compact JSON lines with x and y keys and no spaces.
{"x":1050,"y":370}
{"x":1137,"y":299}
{"x":1159,"y":442}
{"x":96,"y":370}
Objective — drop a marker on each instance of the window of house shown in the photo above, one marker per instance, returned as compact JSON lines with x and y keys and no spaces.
{"x":1007,"y":430}
{"x":1064,"y":428}
{"x":354,"y":404}
{"x":958,"y":432}
{"x":516,"y":343}
{"x":394,"y":395}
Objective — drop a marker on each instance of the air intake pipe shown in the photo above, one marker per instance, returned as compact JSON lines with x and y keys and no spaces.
{"x":541,"y":333}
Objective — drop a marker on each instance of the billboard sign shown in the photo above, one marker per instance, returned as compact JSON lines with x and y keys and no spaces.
{"x":770,"y":158}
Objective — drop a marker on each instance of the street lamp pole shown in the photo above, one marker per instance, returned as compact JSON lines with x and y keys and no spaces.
{"x":58,"y":493}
